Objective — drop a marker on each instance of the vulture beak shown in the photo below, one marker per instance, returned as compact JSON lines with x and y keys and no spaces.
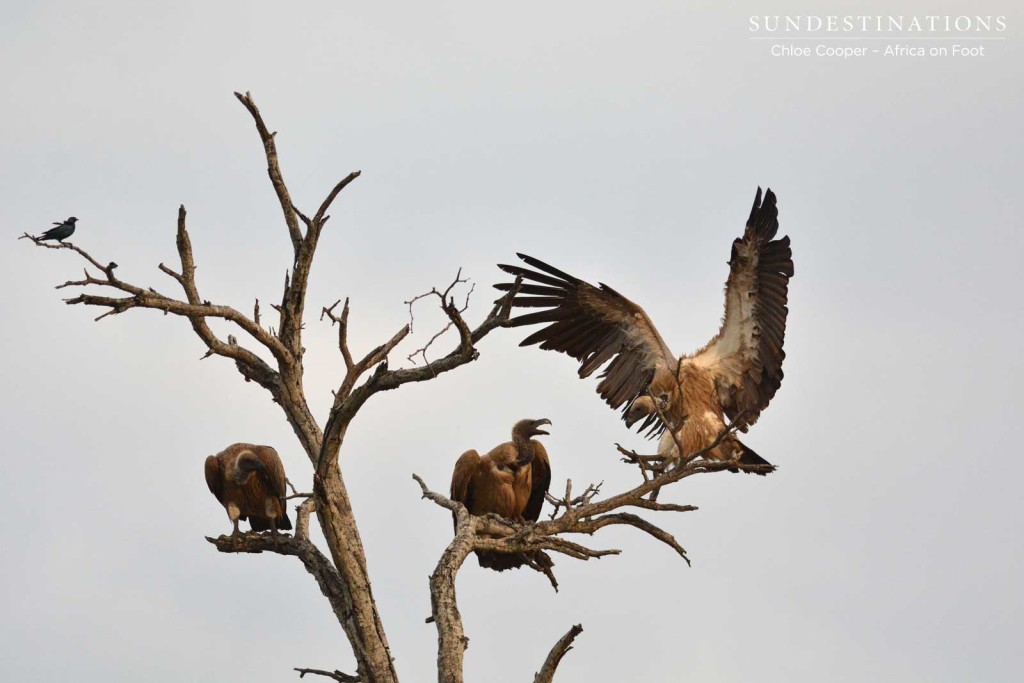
{"x":538,"y":423}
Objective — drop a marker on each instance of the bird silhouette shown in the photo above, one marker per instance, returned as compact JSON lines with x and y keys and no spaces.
{"x":61,"y":232}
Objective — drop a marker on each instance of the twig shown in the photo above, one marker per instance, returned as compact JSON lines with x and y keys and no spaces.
{"x":567,"y":501}
{"x":342,"y":323}
{"x":336,"y":675}
{"x":445,"y":303}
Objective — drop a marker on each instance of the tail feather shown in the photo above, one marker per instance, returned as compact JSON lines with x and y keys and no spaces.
{"x":263,"y":523}
{"x":749,"y":457}
{"x":283,"y":522}
{"x":259,"y":523}
{"x":499,"y":562}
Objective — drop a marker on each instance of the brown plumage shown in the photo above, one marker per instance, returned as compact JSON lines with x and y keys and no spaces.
{"x":249,"y":482}
{"x":734,"y":376}
{"x":510,"y":480}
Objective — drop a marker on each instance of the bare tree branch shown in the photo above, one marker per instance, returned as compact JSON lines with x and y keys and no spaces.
{"x":302,"y":512}
{"x":554,"y":658}
{"x":336,"y":675}
{"x":327,"y":577}
{"x":195,"y":309}
{"x":445,"y":303}
{"x":349,"y":400}
{"x":567,"y":501}
{"x":320,"y":218}
{"x":342,"y":323}
{"x":274,"y":170}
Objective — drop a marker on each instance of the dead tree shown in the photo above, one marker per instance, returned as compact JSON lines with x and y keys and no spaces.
{"x":342,"y":573}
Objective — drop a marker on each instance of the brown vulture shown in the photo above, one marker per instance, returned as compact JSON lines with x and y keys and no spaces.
{"x":248,"y":481}
{"x":510,"y":481}
{"x":734,"y":376}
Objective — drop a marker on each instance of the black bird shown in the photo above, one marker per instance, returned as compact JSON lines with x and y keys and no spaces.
{"x":61,"y":232}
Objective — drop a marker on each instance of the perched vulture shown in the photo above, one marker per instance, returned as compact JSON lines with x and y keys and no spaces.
{"x":248,"y":481}
{"x":734,"y":376}
{"x":510,"y":481}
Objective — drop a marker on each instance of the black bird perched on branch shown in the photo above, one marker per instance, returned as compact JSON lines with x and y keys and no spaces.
{"x":61,"y":232}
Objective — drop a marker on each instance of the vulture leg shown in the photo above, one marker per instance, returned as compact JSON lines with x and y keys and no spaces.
{"x":234,"y":514}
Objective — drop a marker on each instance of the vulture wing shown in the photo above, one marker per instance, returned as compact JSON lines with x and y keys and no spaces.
{"x":593,"y":325}
{"x":541,"y":481}
{"x":275,"y":470}
{"x":462,"y":479}
{"x":214,"y":477}
{"x":746,"y":356}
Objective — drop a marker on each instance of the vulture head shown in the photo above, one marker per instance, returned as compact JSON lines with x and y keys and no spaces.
{"x":646,"y":407}
{"x":530,"y":428}
{"x":522,"y":432}
{"x":244,"y":467}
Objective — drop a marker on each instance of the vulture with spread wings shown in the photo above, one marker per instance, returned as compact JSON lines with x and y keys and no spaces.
{"x":734,"y":376}
{"x":510,"y":480}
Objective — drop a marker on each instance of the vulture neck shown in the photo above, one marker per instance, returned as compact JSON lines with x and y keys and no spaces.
{"x":524,"y":446}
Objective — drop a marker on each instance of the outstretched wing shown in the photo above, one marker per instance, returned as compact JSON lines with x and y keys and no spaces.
{"x":593,"y":325}
{"x":541,"y":481}
{"x":746,"y":356}
{"x":214,"y":476}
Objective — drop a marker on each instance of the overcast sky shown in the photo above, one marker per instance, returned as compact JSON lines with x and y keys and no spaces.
{"x":622,"y":142}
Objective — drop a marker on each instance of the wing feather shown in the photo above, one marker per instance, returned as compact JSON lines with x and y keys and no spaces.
{"x":592,"y":324}
{"x":541,"y":476}
{"x":275,"y":469}
{"x":746,"y":356}
{"x":214,"y":477}
{"x":462,"y":478}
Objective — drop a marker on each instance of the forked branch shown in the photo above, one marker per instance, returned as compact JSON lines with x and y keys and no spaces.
{"x":348,"y":399}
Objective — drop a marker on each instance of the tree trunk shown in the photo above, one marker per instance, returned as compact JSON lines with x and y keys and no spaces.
{"x":361,"y":622}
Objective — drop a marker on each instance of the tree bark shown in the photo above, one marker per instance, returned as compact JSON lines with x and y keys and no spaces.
{"x":363,"y":625}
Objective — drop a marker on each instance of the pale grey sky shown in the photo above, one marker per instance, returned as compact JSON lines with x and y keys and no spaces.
{"x":619,"y":141}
